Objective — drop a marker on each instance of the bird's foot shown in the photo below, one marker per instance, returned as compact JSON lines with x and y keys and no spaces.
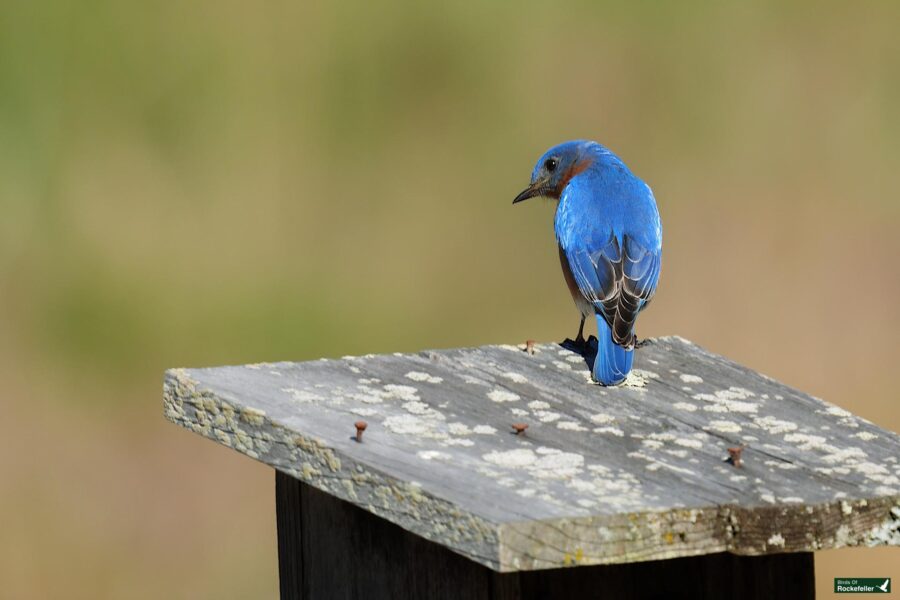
{"x":640,"y":343}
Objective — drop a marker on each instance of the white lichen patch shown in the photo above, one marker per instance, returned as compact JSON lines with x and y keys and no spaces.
{"x":406,"y":425}
{"x":401,"y":392}
{"x":560,"y":465}
{"x":556,"y":465}
{"x":612,"y":430}
{"x":458,"y":429}
{"x":791,"y":500}
{"x":499,"y":395}
{"x":302,"y":395}
{"x":562,"y":365}
{"x":417,"y":408}
{"x":634,"y":381}
{"x":805,"y":441}
{"x":363,"y":411}
{"x":519,"y":412}
{"x":484,"y":429}
{"x":730,"y":400}
{"x":687,"y":406}
{"x":724,"y":426}
{"x":845,"y":455}
{"x":865,"y":436}
{"x":875,"y":471}
{"x":425,"y":377}
{"x":458,"y":442}
{"x":432,"y":454}
{"x":538,"y":405}
{"x":652,"y":444}
{"x":837,"y":411}
{"x":695,"y":442}
{"x":547,"y":416}
{"x":514,"y":377}
{"x":574,"y":359}
{"x":570,"y":426}
{"x":602,"y":418}
{"x":774,"y":426}
{"x":518,"y":458}
{"x":685,"y":377}
{"x":776,"y":540}
{"x":779,"y":464}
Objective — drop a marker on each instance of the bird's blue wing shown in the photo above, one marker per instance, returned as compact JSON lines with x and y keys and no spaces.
{"x":615,"y":271}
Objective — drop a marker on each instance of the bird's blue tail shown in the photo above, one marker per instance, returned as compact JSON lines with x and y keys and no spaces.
{"x":613,"y":362}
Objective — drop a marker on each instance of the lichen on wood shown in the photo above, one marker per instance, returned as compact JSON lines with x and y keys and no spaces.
{"x":600,"y":475}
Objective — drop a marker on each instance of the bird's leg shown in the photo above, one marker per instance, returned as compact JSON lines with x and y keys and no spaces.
{"x":579,"y":341}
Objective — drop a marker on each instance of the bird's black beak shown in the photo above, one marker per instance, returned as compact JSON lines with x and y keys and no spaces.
{"x":537,"y":188}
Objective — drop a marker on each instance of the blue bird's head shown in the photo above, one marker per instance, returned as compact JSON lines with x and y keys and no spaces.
{"x":558,"y":166}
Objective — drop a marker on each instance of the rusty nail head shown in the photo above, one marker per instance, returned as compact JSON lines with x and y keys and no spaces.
{"x":519,"y":428}
{"x":360,"y":427}
{"x":735,"y":455}
{"x":529,"y":346}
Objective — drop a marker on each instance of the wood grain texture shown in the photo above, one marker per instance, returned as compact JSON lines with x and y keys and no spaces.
{"x":349,"y":553}
{"x":602,"y":475}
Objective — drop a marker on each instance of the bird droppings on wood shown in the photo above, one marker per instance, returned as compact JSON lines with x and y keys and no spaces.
{"x":616,"y":472}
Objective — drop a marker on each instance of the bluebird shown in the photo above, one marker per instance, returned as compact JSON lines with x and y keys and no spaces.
{"x":610,"y":244}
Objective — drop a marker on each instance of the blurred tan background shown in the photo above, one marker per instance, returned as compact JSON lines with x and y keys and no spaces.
{"x":209,"y":182}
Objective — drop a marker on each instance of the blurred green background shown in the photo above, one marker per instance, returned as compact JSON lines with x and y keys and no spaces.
{"x":199,"y":183}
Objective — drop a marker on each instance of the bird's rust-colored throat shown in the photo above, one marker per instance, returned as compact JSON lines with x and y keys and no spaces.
{"x":578,"y":167}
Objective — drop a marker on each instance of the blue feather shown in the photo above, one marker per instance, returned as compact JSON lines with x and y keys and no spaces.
{"x":613,"y":362}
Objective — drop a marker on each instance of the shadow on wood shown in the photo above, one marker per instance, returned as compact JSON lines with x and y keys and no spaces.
{"x":328,"y":548}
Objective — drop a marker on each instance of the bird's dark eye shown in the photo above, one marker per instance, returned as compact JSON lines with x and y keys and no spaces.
{"x":550,"y":164}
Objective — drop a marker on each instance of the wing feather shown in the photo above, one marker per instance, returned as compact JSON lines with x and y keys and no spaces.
{"x":619,"y":279}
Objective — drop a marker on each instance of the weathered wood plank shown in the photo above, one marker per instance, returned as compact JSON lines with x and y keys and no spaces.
{"x":602,"y":475}
{"x":351,"y":553}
